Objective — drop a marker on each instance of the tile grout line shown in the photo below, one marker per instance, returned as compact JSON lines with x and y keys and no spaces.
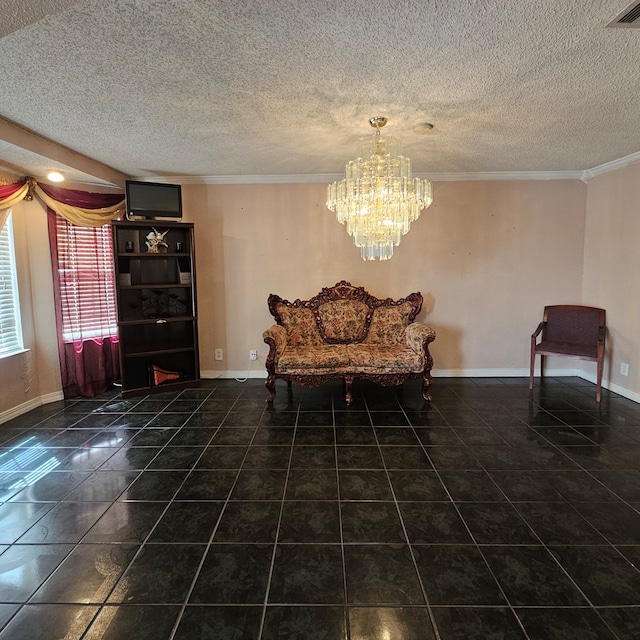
{"x":477,"y":546}
{"x":277,"y":532}
{"x":340,"y":527}
{"x":140,"y":548}
{"x":425,"y":596}
{"x":208,"y":544}
{"x":159,"y":518}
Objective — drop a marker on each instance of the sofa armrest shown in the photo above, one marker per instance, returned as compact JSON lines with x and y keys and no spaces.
{"x":276,"y":337}
{"x":418,"y":336}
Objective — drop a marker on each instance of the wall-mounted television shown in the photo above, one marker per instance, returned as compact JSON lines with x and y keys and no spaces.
{"x":153,"y":199}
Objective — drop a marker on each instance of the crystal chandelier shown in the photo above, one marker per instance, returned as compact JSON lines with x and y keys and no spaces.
{"x":378,"y":199}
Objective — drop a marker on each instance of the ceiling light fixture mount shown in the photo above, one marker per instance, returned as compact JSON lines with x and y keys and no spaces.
{"x":378,"y":121}
{"x":378,"y":199}
{"x":423,"y":128}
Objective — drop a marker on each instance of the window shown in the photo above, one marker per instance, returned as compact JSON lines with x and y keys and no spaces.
{"x":10,"y":326}
{"x":87,"y":290}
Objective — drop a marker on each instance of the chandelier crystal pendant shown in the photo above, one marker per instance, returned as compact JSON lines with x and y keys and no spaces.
{"x":378,"y":199}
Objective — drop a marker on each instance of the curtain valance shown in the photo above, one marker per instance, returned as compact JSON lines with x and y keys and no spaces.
{"x":79,"y":207}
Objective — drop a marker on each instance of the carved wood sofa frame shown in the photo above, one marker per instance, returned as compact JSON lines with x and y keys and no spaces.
{"x":417,"y":337}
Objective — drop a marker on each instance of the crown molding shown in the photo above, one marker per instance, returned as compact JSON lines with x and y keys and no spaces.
{"x":331,"y":177}
{"x":237,"y":179}
{"x":500,"y":176}
{"x":610,"y":166}
{"x":468,"y":176}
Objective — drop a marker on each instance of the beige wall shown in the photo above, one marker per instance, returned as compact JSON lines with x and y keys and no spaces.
{"x":487,"y":257}
{"x":612,"y":267}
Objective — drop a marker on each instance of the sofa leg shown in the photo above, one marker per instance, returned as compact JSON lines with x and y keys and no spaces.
{"x":271,"y":388}
{"x":348,"y":381}
{"x":427,"y":381}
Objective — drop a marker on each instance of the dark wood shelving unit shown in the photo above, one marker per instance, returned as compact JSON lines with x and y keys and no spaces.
{"x":157,"y":310}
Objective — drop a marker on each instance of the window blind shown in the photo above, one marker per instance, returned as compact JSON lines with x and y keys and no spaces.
{"x":10,"y":326}
{"x":87,"y":289}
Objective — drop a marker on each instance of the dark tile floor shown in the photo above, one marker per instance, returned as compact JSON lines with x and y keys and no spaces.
{"x":488,"y":514}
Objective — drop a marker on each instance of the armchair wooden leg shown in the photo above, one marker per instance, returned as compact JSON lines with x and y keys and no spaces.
{"x":599,"y":380}
{"x":531,"y":367}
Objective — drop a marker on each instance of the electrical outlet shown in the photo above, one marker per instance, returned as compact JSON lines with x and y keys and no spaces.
{"x":624,"y":368}
{"x":253,"y":354}
{"x":218,"y":354}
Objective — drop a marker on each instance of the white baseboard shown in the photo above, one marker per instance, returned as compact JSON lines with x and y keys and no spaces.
{"x":457,"y":373}
{"x":616,"y":388}
{"x":25,"y":407}
{"x":500,"y":373}
{"x":237,"y":375}
{"x":440,"y":373}
{"x":52,"y":397}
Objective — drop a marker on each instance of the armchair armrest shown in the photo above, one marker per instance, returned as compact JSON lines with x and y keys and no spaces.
{"x":418,"y":336}
{"x":537,"y":332}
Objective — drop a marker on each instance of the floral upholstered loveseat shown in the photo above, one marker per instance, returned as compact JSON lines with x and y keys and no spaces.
{"x":346,"y":333}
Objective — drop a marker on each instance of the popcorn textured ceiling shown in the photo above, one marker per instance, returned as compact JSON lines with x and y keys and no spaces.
{"x":286,"y":87}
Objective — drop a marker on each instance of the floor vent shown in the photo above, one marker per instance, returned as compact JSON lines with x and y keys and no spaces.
{"x":629,"y":18}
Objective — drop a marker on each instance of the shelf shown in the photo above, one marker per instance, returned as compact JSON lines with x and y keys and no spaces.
{"x":157,"y":313}
{"x":144,"y":254}
{"x":150,"y":351}
{"x":154,"y":321}
{"x":168,"y":285}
